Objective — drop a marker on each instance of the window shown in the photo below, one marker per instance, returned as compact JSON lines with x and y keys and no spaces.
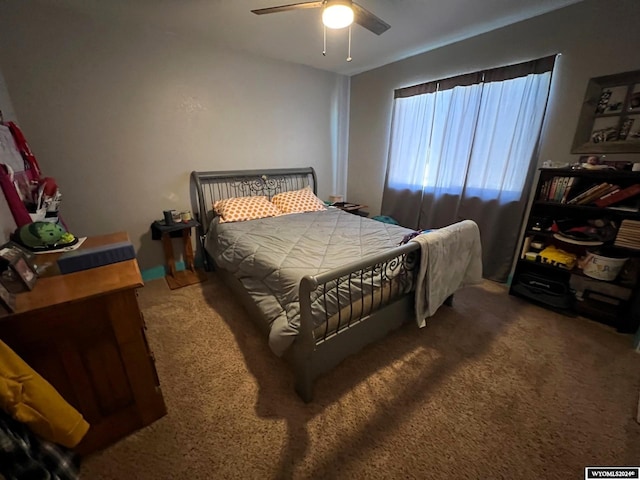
{"x":464,"y":148}
{"x":476,"y":137}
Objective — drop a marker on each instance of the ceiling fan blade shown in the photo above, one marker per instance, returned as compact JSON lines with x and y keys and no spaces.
{"x":284,"y":8}
{"x":368,"y":20}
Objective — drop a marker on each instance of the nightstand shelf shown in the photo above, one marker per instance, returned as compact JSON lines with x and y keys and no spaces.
{"x":355,"y":208}
{"x":178,"y":278}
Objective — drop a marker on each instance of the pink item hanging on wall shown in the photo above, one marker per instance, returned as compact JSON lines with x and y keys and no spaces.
{"x":16,"y":205}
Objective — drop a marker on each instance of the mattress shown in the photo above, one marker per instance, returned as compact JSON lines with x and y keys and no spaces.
{"x":269,"y":256}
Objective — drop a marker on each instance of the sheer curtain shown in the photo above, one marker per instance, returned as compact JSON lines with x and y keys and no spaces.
{"x":464,"y":148}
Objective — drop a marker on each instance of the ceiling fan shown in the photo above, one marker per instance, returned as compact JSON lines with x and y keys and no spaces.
{"x":336,"y":14}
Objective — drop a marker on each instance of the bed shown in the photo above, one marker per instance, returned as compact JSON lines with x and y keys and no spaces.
{"x":320,"y":284}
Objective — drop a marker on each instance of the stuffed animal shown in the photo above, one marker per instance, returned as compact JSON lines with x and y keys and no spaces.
{"x":43,"y":236}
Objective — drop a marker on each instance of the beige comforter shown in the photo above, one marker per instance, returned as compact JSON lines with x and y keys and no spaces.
{"x":451,"y":257}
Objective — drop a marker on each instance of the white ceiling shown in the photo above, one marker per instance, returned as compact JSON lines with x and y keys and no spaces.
{"x":296,"y":36}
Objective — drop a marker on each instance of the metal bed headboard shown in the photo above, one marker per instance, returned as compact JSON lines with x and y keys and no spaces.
{"x":214,"y":186}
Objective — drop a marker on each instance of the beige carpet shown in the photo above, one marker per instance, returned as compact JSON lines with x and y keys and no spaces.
{"x":492,"y":388}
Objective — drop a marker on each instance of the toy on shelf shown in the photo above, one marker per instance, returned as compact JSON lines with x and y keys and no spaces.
{"x":43,"y":236}
{"x":559,"y":258}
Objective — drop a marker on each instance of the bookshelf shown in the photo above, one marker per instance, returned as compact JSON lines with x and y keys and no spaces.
{"x":596,"y":188}
{"x":581,"y":226}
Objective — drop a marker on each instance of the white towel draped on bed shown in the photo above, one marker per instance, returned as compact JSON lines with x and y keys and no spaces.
{"x":451,"y":257}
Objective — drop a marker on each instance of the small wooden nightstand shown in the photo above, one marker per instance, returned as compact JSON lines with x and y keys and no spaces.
{"x":355,"y":208}
{"x":188,"y":276}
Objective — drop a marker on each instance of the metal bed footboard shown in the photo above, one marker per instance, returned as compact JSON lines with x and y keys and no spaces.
{"x":386,"y":278}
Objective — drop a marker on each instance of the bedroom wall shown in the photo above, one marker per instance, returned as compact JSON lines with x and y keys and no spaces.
{"x":120,"y":114}
{"x":595,"y":37}
{"x":7,"y":225}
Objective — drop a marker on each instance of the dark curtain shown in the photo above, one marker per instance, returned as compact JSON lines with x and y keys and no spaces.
{"x":499,"y":215}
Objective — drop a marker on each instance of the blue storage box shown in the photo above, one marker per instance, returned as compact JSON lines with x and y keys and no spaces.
{"x":85,"y":258}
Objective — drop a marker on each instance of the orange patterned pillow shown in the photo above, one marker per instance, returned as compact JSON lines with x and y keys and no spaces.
{"x":298,"y":201}
{"x":238,"y":209}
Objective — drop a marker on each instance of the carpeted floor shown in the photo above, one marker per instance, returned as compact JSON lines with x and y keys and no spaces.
{"x":492,"y":388}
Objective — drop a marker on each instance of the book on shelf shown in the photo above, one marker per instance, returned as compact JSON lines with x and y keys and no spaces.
{"x":625,"y":208}
{"x":542,"y":195}
{"x":556,"y":189}
{"x":598,"y":193}
{"x":578,"y":199}
{"x":628,"y":235}
{"x":546,"y":188}
{"x":570,"y":183}
{"x":552,"y":190}
{"x":619,"y":196}
{"x":607,"y":195}
{"x":584,"y":193}
{"x":560,"y":189}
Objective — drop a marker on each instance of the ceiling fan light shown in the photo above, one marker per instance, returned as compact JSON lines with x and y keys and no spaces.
{"x":337,"y":16}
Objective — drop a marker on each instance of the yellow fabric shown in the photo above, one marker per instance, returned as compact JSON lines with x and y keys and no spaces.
{"x":30,"y":399}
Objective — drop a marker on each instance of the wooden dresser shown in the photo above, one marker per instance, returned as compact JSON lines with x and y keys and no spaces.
{"x":84,"y":332}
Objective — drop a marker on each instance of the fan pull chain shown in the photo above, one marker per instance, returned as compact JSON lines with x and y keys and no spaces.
{"x":324,"y":41}
{"x":349,"y":54}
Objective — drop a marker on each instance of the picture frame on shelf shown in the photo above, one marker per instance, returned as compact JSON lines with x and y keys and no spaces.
{"x":630,"y":130}
{"x":28,"y":255}
{"x":24,"y":271}
{"x":605,"y":130}
{"x":611,"y":99}
{"x":609,"y":120}
{"x":17,"y":273}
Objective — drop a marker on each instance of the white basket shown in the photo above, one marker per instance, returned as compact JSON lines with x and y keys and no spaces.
{"x":601,"y":267}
